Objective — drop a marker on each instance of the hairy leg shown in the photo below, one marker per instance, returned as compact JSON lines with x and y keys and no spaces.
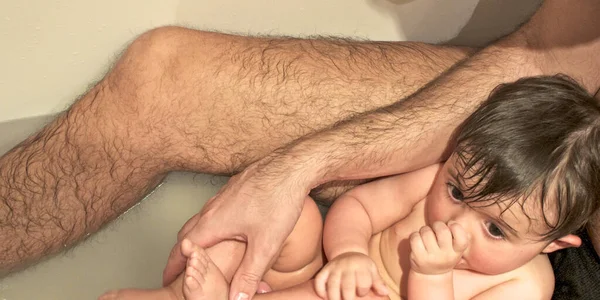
{"x":180,"y":99}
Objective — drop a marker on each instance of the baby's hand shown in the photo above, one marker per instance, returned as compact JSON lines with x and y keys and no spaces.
{"x":347,"y":276}
{"x":437,"y":250}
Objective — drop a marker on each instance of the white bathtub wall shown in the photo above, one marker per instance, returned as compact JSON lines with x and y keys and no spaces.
{"x":52,"y":50}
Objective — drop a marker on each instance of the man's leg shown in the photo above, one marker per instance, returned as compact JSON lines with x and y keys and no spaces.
{"x":181,"y":99}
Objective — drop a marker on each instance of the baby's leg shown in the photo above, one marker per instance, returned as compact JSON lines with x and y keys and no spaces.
{"x":301,"y":256}
{"x":299,"y":259}
{"x":204,"y":281}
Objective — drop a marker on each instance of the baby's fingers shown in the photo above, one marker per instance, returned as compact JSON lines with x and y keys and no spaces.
{"x":460,"y":238}
{"x":378,"y":286}
{"x":320,"y":283}
{"x":363,"y":283}
{"x":416,"y":243}
{"x":348,"y":286}
{"x":334,"y":283}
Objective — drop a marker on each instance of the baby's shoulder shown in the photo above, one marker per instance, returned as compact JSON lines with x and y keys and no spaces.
{"x":534,"y":279}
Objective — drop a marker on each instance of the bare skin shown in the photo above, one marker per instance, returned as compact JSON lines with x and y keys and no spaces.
{"x":119,"y":140}
{"x":529,"y":273}
{"x":300,"y":258}
{"x":559,"y":38}
{"x":176,"y":101}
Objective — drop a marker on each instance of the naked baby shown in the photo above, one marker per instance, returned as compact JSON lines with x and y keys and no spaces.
{"x":522,"y":179}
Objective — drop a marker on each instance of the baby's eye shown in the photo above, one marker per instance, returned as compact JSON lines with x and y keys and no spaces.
{"x":495,"y":231}
{"x":455,"y":193}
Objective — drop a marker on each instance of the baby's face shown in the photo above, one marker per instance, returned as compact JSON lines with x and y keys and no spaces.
{"x":502,"y":238}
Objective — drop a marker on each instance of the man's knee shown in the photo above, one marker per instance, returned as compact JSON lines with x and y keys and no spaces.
{"x":151,"y":63}
{"x":162,"y":43}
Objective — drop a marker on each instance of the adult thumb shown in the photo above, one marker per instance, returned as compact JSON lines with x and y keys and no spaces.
{"x":250,"y":272}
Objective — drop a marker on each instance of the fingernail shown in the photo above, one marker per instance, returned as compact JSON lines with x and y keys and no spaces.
{"x":242,"y":296}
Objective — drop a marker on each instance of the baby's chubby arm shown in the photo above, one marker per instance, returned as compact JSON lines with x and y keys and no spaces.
{"x":372,"y":207}
{"x":435,"y":251}
{"x":352,"y":221}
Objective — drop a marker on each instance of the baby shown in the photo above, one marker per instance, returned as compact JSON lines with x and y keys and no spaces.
{"x":523,"y":177}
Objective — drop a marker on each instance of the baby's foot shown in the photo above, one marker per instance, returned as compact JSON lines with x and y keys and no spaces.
{"x":203,"y":280}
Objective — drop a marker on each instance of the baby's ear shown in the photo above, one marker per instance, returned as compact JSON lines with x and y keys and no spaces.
{"x":566,"y":241}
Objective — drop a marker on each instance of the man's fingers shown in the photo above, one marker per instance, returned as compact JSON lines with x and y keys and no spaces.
{"x":250,"y":272}
{"x":191,"y":223}
{"x":175,"y":265}
{"x":178,"y":256}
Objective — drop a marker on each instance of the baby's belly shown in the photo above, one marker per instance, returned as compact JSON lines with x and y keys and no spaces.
{"x":390,"y":250}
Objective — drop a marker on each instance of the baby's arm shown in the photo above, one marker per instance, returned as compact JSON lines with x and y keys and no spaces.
{"x":305,"y":291}
{"x":352,"y":221}
{"x":373,"y":207}
{"x":435,"y":251}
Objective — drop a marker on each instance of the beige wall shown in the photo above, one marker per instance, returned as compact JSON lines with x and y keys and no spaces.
{"x":51,"y":50}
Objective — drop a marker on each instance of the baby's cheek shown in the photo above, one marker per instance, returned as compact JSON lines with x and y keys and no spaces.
{"x":491,"y":262}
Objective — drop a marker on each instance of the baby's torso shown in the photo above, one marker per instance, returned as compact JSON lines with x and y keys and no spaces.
{"x":390,"y":250}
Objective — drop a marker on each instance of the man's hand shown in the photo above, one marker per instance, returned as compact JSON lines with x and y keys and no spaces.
{"x":347,"y":276}
{"x":437,"y":249}
{"x":257,"y":209}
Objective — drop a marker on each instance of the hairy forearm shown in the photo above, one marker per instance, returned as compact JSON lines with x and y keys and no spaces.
{"x":408,"y":134}
{"x":423,"y":286}
{"x":66,"y":181}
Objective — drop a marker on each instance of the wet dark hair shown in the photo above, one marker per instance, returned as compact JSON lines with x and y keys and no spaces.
{"x":538,"y":136}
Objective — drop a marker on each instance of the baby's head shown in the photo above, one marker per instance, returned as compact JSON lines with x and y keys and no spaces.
{"x":524,"y":175}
